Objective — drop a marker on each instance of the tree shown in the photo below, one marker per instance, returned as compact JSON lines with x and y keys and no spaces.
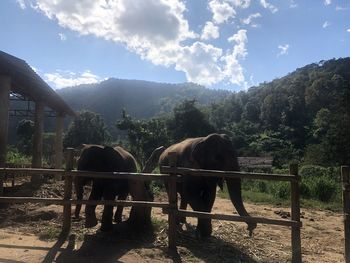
{"x":188,"y":122}
{"x":88,"y":128}
{"x":25,"y":131}
{"x":144,"y":135}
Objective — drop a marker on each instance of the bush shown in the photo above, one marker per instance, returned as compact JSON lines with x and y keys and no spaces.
{"x":281,"y":190}
{"x":13,"y":156}
{"x":319,"y":182}
{"x":324,"y":189}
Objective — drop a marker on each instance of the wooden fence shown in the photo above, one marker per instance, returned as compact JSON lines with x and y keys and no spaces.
{"x":171,"y":175}
{"x":345,"y":172}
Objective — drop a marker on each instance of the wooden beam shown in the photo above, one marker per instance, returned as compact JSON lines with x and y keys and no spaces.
{"x":5,"y":87}
{"x":60,"y":201}
{"x":38,"y":138}
{"x":295,"y":214}
{"x":228,"y":174}
{"x":345,"y":172}
{"x":235,"y":218}
{"x":59,"y":141}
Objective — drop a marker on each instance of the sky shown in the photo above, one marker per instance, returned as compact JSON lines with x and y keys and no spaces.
{"x":221,"y":44}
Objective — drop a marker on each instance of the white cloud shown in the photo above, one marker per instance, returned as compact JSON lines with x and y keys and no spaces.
{"x":326,"y":24}
{"x":348,"y":30}
{"x":156,"y":30}
{"x":283,"y":49}
{"x":222,"y":11}
{"x":61,"y":79}
{"x":210,"y":31}
{"x":293,"y":4}
{"x":21,"y":4}
{"x":269,"y":6}
{"x":248,"y":20}
{"x":233,"y":69}
{"x":340,"y":8}
{"x":62,"y":36}
{"x":239,"y":3}
{"x":327,"y":2}
{"x":200,"y":63}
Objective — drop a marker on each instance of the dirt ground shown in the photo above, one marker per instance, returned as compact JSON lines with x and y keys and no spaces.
{"x":30,"y":233}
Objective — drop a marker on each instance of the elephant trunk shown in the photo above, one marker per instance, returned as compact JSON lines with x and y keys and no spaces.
{"x":235,"y":191}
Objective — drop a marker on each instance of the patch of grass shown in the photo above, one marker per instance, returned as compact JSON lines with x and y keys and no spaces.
{"x":159,"y":224}
{"x":49,"y":233}
{"x":266,"y":198}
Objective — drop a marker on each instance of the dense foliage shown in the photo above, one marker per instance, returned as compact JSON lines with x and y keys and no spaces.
{"x":144,"y":136}
{"x":141,"y":99}
{"x":304,"y":116}
{"x":87,"y":128}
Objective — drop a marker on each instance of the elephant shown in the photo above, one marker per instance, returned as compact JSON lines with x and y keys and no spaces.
{"x":213,"y":152}
{"x":107,"y":159}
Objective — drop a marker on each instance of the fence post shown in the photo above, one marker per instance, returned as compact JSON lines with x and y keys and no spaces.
{"x":295,"y":207}
{"x":67,"y":208}
{"x":345,"y":174}
{"x":172,"y":202}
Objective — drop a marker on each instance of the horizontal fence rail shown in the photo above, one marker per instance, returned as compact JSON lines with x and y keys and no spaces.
{"x":228,"y":174}
{"x":172,"y":175}
{"x":248,"y":219}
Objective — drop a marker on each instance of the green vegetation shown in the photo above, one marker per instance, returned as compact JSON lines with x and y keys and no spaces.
{"x":13,"y":156}
{"x":303,"y":117}
{"x":319,"y":187}
{"x":87,"y":128}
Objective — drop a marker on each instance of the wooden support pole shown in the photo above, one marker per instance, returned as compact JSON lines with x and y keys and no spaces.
{"x":295,"y":213}
{"x":38,"y":139}
{"x":172,"y":203}
{"x":5,"y":87}
{"x":345,"y":173}
{"x":59,"y":141}
{"x":67,"y":208}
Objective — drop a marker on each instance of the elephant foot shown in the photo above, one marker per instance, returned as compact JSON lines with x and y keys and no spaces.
{"x":90,"y":222}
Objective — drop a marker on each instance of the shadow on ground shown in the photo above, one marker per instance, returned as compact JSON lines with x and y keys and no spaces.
{"x":111,"y":247}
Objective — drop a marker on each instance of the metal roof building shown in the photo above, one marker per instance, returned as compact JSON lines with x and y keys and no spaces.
{"x":19,"y":81}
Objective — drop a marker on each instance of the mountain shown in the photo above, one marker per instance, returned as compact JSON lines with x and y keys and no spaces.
{"x":304,"y":115}
{"x":141,"y":99}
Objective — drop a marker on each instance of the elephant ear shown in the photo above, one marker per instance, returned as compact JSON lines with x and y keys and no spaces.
{"x":198,"y":150}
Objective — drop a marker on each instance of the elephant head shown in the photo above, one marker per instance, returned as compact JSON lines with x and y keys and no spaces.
{"x":216,"y":152}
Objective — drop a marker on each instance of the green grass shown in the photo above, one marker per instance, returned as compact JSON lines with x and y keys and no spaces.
{"x":159,"y":224}
{"x":49,"y":233}
{"x":266,"y":198}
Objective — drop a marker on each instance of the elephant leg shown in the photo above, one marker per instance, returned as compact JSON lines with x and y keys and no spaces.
{"x":204,"y":226}
{"x":118,"y":215}
{"x":234,"y":189}
{"x":183,"y":206}
{"x":202,"y":199}
{"x":106,"y":224}
{"x":79,"y":190}
{"x":90,"y":215}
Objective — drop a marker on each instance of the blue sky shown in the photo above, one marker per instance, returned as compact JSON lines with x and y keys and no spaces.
{"x":228,"y":44}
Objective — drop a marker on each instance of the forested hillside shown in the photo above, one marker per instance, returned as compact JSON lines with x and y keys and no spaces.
{"x":304,"y":115}
{"x":141,"y":99}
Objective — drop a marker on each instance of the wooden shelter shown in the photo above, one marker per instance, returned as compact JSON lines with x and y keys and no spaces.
{"x":18,"y":81}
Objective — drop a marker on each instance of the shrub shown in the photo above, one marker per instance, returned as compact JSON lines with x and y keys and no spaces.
{"x":324,"y":189}
{"x":281,"y":190}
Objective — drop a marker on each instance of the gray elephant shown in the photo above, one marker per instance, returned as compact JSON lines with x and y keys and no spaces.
{"x":214,"y":152}
{"x":107,"y":159}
